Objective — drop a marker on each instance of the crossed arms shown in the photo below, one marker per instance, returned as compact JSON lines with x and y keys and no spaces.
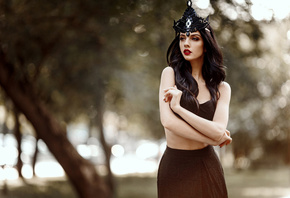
{"x":195,"y":128}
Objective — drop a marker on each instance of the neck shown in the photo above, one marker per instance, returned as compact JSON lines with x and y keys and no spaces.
{"x":196,"y":67}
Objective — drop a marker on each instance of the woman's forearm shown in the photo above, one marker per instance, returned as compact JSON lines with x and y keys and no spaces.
{"x":211,"y":129}
{"x":214,"y":129}
{"x":183,"y":129}
{"x":173,"y":123}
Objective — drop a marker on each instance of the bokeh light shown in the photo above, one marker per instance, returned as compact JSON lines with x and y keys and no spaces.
{"x":49,"y":169}
{"x":147,"y":150}
{"x":202,"y":4}
{"x":118,"y":150}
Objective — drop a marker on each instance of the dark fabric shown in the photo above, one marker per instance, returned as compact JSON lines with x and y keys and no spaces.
{"x":206,"y":110}
{"x":192,"y":173}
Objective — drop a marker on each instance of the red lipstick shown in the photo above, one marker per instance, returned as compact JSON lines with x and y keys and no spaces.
{"x":187,"y":52}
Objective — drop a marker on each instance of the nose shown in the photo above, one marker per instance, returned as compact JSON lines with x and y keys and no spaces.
{"x":186,"y":43}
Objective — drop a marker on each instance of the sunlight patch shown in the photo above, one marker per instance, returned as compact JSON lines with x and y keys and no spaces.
{"x":266,"y":192}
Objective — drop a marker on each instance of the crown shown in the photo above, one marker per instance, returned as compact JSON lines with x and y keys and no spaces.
{"x":190,"y":21}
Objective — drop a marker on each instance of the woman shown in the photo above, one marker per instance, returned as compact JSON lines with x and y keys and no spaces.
{"x":194,"y":107}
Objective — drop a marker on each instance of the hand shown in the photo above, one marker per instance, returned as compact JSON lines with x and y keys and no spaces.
{"x":173,"y":95}
{"x":226,"y":139}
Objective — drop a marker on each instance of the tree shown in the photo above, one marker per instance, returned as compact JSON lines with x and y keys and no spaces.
{"x":82,"y":174}
{"x":27,"y":50}
{"x":79,"y":58}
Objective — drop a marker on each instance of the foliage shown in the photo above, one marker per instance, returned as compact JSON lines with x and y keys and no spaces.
{"x":79,"y":53}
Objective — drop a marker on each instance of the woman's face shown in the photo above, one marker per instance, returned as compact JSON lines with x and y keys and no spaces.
{"x":191,"y":46}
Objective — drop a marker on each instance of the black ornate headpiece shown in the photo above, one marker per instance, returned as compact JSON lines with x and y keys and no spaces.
{"x":190,"y":21}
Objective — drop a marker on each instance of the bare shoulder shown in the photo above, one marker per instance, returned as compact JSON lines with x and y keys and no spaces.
{"x":225,"y":90}
{"x":224,"y":87}
{"x":167,"y":77}
{"x":168,"y":71}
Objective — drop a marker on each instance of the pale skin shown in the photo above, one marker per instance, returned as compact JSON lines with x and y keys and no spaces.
{"x":196,"y":132}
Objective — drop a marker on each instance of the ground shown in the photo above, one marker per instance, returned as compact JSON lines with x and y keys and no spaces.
{"x":241,"y":184}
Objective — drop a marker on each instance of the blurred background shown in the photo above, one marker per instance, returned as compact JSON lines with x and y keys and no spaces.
{"x":79,"y":86}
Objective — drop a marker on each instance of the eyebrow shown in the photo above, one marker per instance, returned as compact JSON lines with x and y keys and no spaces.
{"x":194,"y":34}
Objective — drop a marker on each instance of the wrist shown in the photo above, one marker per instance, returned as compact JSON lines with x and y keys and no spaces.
{"x":176,"y":108}
{"x":222,"y":139}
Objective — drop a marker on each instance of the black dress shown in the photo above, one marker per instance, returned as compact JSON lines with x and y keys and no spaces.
{"x":192,"y":173}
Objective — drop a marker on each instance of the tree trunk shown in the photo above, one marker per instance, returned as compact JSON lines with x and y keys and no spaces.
{"x":34,"y":159}
{"x":81,"y":172}
{"x":18,"y":136}
{"x":106,"y":148}
{"x":288,"y":148}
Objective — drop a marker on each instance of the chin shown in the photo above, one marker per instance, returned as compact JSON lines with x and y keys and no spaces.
{"x":188,"y":58}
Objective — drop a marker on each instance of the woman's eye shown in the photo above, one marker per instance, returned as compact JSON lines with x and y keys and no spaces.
{"x":182,"y":38}
{"x":195,"y":38}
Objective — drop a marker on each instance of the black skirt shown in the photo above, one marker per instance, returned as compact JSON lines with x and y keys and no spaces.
{"x":191,"y":174}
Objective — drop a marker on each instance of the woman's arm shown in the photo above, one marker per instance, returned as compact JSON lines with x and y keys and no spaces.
{"x":214,"y":129}
{"x":174,"y":124}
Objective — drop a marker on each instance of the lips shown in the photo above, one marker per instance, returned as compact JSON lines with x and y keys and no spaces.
{"x":187,"y":52}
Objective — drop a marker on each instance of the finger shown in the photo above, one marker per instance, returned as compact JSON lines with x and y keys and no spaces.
{"x":222,"y":144}
{"x":167,"y":98}
{"x":164,"y":99}
{"x":169,"y":88}
{"x":228,"y":132}
{"x":229,"y":136}
{"x":229,"y":141}
{"x":167,"y":95}
{"x":225,"y":143}
{"x":170,"y":93}
{"x":165,"y":90}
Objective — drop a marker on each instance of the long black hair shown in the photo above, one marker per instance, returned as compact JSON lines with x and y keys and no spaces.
{"x":213,"y":70}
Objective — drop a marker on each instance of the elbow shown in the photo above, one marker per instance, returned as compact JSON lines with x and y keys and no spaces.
{"x":166,"y":122}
